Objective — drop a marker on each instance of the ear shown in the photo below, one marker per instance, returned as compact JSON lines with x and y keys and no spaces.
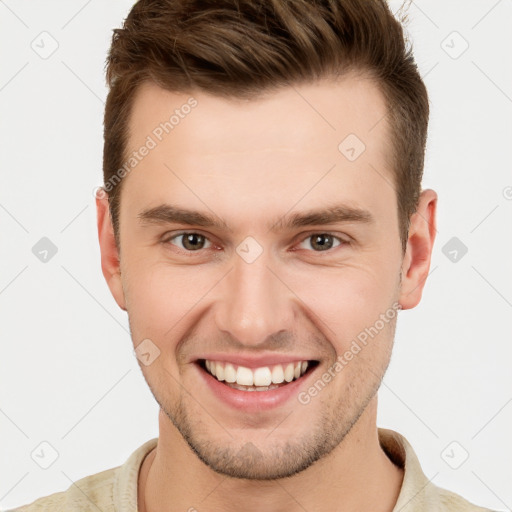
{"x":416,"y":262}
{"x":110,"y":261}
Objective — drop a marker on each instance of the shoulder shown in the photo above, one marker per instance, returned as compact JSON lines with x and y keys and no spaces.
{"x":85,"y":495}
{"x":418,"y":493}
{"x":112,"y":490}
{"x":451,"y":502}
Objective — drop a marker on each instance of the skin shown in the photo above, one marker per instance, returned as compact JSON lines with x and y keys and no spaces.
{"x":249,"y":163}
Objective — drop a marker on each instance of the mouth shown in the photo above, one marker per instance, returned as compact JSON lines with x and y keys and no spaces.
{"x":260,"y":379}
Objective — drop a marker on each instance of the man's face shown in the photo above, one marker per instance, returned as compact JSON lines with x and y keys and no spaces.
{"x":256,"y":290}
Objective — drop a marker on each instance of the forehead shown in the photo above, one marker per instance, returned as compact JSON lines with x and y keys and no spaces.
{"x":309,"y":140}
{"x":306,"y":114}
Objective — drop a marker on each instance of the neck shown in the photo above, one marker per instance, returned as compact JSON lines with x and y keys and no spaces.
{"x":357,"y":475}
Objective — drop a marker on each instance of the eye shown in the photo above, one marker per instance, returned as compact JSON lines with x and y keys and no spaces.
{"x":321,"y":242}
{"x":193,"y":242}
{"x":190,"y":241}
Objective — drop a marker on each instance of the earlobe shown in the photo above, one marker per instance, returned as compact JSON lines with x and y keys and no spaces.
{"x":416,"y":261}
{"x":110,"y":261}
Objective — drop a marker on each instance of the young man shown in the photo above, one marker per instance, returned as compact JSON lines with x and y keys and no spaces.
{"x":262,"y":223}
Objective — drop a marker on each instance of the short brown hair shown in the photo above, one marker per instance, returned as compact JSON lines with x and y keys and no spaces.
{"x":241,"y":48}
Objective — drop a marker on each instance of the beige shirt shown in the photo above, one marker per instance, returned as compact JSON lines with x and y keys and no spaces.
{"x":115,"y":490}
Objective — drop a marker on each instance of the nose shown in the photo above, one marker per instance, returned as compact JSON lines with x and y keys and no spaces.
{"x":254,"y":302}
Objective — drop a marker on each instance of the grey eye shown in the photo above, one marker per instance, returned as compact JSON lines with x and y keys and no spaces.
{"x":191,"y":241}
{"x":321,"y":242}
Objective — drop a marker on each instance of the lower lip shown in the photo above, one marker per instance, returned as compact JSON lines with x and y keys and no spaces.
{"x":253,"y":401}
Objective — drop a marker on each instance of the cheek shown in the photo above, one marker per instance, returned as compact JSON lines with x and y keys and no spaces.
{"x":347,"y":300}
{"x":159,"y":297}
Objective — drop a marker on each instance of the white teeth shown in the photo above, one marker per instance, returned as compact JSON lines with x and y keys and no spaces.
{"x":257,"y":379}
{"x":289,"y":372}
{"x":219,"y":369}
{"x":253,"y":388}
{"x":277,"y":374}
{"x":262,"y":376}
{"x":244,"y":376}
{"x":229,"y":373}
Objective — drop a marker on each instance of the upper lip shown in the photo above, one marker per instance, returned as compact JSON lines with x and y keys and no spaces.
{"x":255,"y":361}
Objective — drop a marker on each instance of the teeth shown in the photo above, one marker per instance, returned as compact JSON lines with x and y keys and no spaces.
{"x":219,"y":372}
{"x":244,"y":376}
{"x":253,"y":388}
{"x":277,"y":374}
{"x":257,"y":379}
{"x":262,"y":376}
{"x":289,"y":372}
{"x":229,"y":373}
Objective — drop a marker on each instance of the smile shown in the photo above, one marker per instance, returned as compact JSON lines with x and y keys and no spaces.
{"x":264,"y":378}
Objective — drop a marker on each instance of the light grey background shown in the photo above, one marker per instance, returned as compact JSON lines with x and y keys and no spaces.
{"x":68,"y":373}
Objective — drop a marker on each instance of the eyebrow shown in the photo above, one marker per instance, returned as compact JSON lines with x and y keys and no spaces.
{"x":169,"y":214}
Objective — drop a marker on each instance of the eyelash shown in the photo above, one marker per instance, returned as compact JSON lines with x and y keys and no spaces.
{"x":341,"y":241}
